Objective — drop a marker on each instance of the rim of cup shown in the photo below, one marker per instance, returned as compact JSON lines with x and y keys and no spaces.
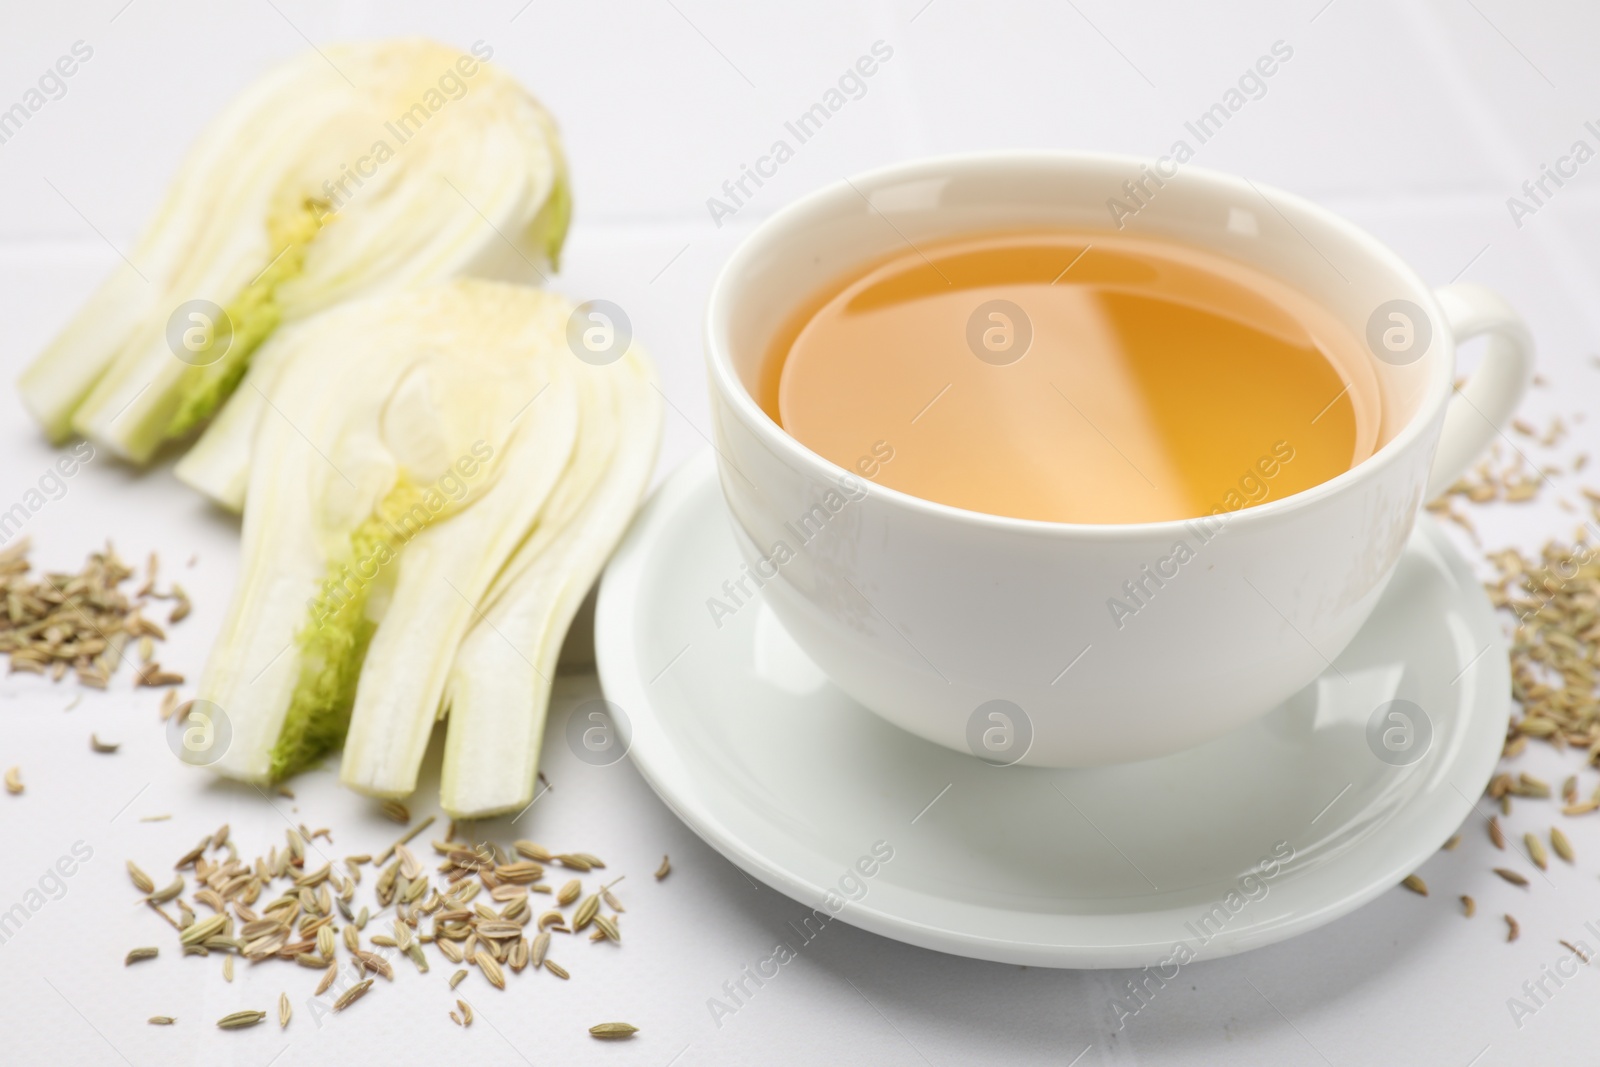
{"x":794,"y":215}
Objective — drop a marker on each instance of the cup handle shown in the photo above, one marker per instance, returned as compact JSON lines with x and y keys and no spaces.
{"x":1483,"y":404}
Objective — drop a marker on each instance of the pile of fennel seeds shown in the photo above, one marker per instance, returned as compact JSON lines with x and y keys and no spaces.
{"x":1552,"y":600}
{"x":1554,"y":650}
{"x":85,"y":622}
{"x":479,"y":906}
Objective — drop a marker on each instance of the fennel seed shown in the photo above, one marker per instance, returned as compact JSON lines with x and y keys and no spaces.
{"x":614,"y":1031}
{"x":351,"y":995}
{"x":491,"y":969}
{"x":104,"y":747}
{"x":1415,"y":884}
{"x":1469,"y":907}
{"x":193,"y":855}
{"x":1536,"y":850}
{"x":137,"y":954}
{"x":410,"y":866}
{"x":181,"y":610}
{"x":1512,"y":929}
{"x":151,"y":675}
{"x":537,"y":949}
{"x":141,"y":881}
{"x":533,"y":851}
{"x":1563,"y":847}
{"x":1511,"y":876}
{"x":240,"y":1020}
{"x":202,"y":929}
{"x":285,"y":1010}
{"x":163,"y":896}
{"x":371,"y":961}
{"x":665,"y":868}
{"x":161,"y":1020}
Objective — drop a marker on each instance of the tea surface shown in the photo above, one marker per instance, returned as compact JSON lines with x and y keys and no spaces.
{"x":1084,"y":378}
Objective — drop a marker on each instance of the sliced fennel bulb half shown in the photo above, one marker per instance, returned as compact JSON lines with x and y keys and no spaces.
{"x":407,"y":444}
{"x":333,"y":177}
{"x":499,"y":687}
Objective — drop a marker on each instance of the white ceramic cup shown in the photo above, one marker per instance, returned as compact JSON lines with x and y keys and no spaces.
{"x":993,"y":635}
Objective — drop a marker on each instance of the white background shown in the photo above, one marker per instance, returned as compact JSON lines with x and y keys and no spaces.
{"x":1417,"y":120}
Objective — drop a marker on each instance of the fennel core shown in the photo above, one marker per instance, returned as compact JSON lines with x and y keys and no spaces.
{"x":250,"y":318}
{"x":333,"y":643}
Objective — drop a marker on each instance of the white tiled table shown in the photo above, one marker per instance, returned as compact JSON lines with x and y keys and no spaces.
{"x":1416,"y":119}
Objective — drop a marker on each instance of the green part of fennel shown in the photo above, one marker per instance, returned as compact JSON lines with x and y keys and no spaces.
{"x":333,"y":643}
{"x":249,"y":320}
{"x":554,"y":218}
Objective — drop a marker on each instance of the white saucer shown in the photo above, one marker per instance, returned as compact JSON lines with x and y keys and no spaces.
{"x":745,"y":739}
